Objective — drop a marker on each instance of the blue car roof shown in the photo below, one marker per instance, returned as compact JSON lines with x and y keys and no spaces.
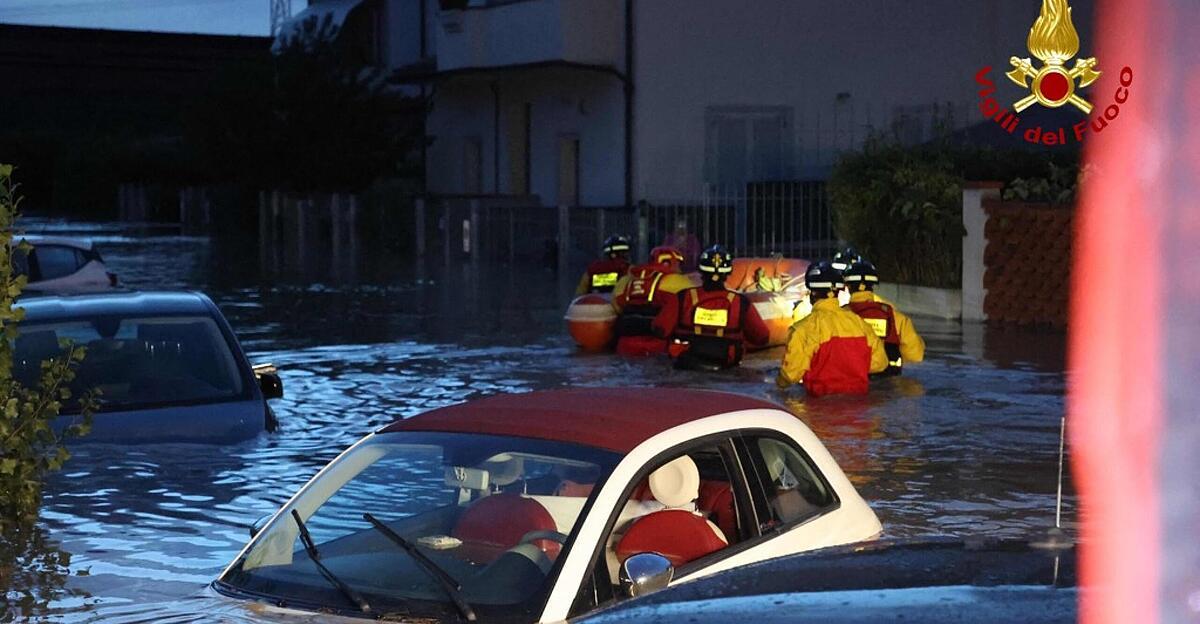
{"x":52,"y":307}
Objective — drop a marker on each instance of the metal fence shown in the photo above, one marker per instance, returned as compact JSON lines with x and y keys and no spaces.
{"x":790,"y":218}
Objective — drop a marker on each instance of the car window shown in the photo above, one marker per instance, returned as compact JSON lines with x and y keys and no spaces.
{"x":488,"y":510}
{"x":690,"y":513}
{"x":136,"y":361}
{"x":55,"y":261}
{"x":20,"y":261}
{"x":785,"y":485}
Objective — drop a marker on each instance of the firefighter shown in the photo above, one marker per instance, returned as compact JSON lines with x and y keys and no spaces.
{"x":639,"y":296}
{"x":893,"y":327}
{"x":602,"y":275}
{"x":832,"y":350}
{"x":708,"y":325}
{"x":842,"y":260}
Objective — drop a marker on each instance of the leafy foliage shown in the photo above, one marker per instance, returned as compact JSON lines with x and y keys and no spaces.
{"x":31,"y":446}
{"x":1057,"y":187}
{"x":310,"y":118}
{"x":901,"y":206}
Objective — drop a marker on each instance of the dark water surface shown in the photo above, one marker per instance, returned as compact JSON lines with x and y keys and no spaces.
{"x":964,"y":444}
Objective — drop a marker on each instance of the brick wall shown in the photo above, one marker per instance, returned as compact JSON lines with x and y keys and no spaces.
{"x":1027,"y":263}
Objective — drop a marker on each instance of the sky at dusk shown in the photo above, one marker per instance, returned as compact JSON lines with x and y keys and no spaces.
{"x":226,"y":17}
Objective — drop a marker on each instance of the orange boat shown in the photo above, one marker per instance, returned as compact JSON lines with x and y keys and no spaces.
{"x":774,"y":285}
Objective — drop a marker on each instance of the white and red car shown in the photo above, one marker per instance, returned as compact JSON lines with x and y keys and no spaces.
{"x":59,"y":265}
{"x":531,"y":507}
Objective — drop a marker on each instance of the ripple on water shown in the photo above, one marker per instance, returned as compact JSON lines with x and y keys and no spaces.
{"x":965,"y":443}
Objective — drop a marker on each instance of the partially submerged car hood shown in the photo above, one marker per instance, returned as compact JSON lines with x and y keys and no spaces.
{"x":930,"y":581}
{"x":209,"y":423}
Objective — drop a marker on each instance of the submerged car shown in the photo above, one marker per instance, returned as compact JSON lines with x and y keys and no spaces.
{"x":526,"y":507}
{"x":930,"y":581}
{"x":56,"y":264}
{"x":166,"y":365}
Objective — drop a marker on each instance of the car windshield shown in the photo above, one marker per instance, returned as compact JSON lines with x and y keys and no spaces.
{"x":136,"y":361}
{"x":493,"y":512}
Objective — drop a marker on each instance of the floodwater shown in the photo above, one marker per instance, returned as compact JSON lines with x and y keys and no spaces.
{"x":964,"y":444}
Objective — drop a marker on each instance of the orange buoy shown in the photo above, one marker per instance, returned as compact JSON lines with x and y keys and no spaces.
{"x":591,"y":320}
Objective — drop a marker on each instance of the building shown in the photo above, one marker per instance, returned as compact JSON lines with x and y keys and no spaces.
{"x":609,"y":102}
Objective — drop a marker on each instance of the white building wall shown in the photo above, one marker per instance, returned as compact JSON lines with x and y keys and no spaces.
{"x":841,"y":67}
{"x":564,"y":102}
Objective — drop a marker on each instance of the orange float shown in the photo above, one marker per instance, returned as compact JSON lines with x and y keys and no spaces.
{"x":591,"y":321}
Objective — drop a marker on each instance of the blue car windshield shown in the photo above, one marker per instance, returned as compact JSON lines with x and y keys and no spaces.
{"x":135,"y":362}
{"x":493,"y":512}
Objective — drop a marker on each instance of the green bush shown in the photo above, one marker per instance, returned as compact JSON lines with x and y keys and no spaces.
{"x":31,"y":447}
{"x":901,"y":206}
{"x":902,"y":209}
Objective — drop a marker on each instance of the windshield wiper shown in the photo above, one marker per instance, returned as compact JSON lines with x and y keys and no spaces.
{"x":452,"y":587}
{"x":314,"y":556}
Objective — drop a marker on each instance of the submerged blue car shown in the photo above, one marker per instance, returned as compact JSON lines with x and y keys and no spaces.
{"x":167,"y":366}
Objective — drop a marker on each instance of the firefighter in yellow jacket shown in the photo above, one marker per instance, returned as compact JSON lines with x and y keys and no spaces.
{"x":832,"y":350}
{"x":893,"y":327}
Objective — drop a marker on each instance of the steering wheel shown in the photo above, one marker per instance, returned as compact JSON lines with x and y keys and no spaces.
{"x":553,"y":536}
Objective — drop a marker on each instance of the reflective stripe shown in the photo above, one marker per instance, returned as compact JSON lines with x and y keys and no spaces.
{"x":712,"y":269}
{"x":898,"y":362}
{"x":618,"y":247}
{"x":602,"y":280}
{"x":820,"y":284}
{"x":861,"y":278}
{"x":695,"y":301}
{"x":654,"y":286}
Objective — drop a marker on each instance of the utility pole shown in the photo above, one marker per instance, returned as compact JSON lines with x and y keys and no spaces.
{"x":281,"y":10}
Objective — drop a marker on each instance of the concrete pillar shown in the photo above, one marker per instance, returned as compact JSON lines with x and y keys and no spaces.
{"x":564,"y":240}
{"x":476,"y":234}
{"x":419,"y":225}
{"x":974,"y":243}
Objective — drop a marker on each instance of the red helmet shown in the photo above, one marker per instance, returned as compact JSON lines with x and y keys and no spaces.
{"x":666,"y":255}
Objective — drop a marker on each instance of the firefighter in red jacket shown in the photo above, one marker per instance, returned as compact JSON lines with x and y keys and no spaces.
{"x":639,"y":296}
{"x":832,"y":350}
{"x":900,"y":339}
{"x":602,"y":275}
{"x":709,"y":325}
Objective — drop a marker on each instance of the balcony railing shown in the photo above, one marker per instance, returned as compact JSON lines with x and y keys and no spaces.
{"x":475,"y":34}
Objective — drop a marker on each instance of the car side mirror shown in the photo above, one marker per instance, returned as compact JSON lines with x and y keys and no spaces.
{"x":645,"y":573}
{"x":269,"y":381}
{"x":258,"y":525}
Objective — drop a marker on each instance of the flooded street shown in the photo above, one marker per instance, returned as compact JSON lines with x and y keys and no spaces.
{"x":964,"y":444}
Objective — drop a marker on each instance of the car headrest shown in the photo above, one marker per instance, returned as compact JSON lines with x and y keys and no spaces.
{"x":38,"y":345}
{"x":504,"y":469}
{"x":676,"y":483}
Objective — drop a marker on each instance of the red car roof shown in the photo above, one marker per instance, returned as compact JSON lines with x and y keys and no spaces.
{"x":616,"y":419}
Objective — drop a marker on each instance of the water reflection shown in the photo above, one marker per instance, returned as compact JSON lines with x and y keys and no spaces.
{"x":33,"y":574}
{"x":965,"y":443}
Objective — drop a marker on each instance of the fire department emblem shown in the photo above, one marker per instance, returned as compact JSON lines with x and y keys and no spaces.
{"x":1054,"y":41}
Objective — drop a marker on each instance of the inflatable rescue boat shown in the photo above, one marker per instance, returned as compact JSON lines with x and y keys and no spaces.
{"x":774,"y":285}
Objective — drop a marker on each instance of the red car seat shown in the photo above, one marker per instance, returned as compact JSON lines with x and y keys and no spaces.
{"x":677,"y":533}
{"x":716,"y":499}
{"x":496,"y":523}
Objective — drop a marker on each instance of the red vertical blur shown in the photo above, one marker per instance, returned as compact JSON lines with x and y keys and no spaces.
{"x":1118,"y":328}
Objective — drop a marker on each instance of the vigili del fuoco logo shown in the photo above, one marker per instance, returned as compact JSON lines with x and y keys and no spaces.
{"x":1053,"y":41}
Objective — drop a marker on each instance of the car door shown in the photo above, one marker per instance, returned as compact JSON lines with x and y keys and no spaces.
{"x":722,"y":502}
